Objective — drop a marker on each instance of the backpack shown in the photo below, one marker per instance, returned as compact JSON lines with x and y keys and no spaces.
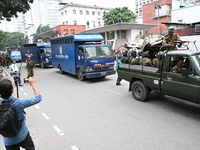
{"x":9,"y":123}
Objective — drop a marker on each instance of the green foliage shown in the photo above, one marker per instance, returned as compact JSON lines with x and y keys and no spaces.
{"x":9,"y":8}
{"x":41,"y":29}
{"x":15,"y":39}
{"x":3,"y":40}
{"x":144,"y":35}
{"x":118,"y":15}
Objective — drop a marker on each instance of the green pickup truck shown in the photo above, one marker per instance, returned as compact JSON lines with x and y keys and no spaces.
{"x":146,"y":79}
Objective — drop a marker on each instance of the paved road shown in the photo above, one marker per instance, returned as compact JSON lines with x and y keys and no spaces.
{"x":98,"y":115}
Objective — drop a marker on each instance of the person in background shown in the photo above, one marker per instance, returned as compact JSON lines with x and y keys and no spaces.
{"x":118,"y":63}
{"x":23,"y":138}
{"x":15,"y":71}
{"x":170,"y":38}
{"x":30,"y":66}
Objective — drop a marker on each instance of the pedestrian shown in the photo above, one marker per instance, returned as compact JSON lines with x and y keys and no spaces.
{"x":15,"y":71}
{"x":7,"y":60}
{"x":169,"y":39}
{"x":23,"y":138}
{"x":118,"y":63}
{"x":30,"y":65}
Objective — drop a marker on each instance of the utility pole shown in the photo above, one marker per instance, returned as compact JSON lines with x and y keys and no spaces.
{"x":158,"y":7}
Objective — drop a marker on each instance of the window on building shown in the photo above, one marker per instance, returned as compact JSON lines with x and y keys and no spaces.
{"x":93,"y":12}
{"x":99,"y":23}
{"x":66,"y":22}
{"x":74,"y":11}
{"x":65,"y":29}
{"x":81,"y":12}
{"x":87,"y":12}
{"x":88,"y":24}
{"x":99,"y":13}
{"x":62,"y":14}
{"x":65,"y":12}
{"x":75,"y":22}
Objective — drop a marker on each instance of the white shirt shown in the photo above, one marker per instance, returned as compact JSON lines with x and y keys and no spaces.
{"x":14,"y":68}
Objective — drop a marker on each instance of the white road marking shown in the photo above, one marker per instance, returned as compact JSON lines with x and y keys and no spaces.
{"x":74,"y":147}
{"x":37,"y":107}
{"x":113,"y":92}
{"x":58,"y":130}
{"x":25,"y":93}
{"x":45,"y":116}
{"x":21,"y":89}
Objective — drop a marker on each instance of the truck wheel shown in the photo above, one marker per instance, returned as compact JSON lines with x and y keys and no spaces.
{"x":42,"y":65}
{"x":60,"y":70}
{"x":81,"y":77}
{"x":139,"y":91}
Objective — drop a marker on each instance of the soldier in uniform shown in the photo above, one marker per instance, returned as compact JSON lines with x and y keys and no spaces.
{"x":178,"y":67}
{"x":133,"y":60}
{"x":145,"y":61}
{"x":30,"y":66}
{"x":170,"y":38}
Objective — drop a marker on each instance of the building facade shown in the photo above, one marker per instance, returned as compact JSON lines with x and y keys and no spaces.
{"x":79,"y":14}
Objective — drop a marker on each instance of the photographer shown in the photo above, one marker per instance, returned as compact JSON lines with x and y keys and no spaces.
{"x":15,"y":71}
{"x":23,"y":138}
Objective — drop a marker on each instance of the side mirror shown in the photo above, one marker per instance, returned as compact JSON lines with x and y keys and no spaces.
{"x":160,"y":55}
{"x":184,"y":72}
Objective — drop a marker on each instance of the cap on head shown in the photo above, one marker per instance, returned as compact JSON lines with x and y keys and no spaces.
{"x":171,"y":29}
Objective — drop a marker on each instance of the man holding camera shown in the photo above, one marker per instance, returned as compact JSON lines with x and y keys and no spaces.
{"x":15,"y":71}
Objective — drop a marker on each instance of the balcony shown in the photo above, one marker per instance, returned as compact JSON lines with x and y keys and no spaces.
{"x":161,"y":14}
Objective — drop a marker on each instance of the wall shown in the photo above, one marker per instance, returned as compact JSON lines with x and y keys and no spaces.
{"x":187,"y":14}
{"x":148,"y":12}
{"x":192,"y":38}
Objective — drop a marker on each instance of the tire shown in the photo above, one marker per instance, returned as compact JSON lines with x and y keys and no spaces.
{"x":81,"y":77}
{"x":42,"y":65}
{"x":139,"y":91}
{"x":60,"y":70}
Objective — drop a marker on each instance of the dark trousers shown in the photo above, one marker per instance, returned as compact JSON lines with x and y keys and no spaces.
{"x":27,"y":144}
{"x":118,"y":79}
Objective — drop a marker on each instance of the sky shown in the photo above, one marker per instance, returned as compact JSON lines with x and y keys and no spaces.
{"x":104,"y":3}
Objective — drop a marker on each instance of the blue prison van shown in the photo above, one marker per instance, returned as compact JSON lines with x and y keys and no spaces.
{"x":40,"y":53}
{"x":82,"y":55}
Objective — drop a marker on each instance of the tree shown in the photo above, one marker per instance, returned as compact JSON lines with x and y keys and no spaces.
{"x":15,"y":39}
{"x":3,"y":40}
{"x":9,"y":8}
{"x":118,"y":15}
{"x":41,"y":29}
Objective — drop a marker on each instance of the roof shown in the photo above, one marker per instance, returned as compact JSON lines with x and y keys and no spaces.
{"x":120,"y":26}
{"x":82,"y":37}
{"x":38,"y":44}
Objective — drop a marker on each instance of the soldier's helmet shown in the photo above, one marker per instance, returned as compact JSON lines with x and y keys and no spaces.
{"x":171,"y":29}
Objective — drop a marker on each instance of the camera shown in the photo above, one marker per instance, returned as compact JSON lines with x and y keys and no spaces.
{"x":26,"y":80}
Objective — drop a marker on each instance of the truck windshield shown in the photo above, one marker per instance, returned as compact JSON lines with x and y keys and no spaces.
{"x":47,"y":51}
{"x":98,"y":51}
{"x":15,"y":54}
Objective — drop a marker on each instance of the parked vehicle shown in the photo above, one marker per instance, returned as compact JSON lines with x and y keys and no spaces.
{"x":40,"y":53}
{"x":15,"y":55}
{"x":82,"y":55}
{"x":144,"y":80}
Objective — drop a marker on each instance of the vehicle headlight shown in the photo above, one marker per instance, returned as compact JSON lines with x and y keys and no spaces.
{"x":47,"y":60}
{"x":88,"y":69}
